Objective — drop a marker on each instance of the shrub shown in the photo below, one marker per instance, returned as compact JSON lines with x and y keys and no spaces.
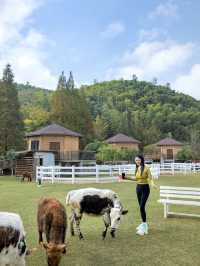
{"x":186,"y":154}
{"x":108,"y":153}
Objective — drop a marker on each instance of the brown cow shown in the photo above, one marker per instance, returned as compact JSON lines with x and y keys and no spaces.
{"x":52,"y":222}
{"x":28,"y":176}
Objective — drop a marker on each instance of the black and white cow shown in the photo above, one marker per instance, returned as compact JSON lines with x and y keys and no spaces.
{"x":99,"y":202}
{"x":12,"y":240}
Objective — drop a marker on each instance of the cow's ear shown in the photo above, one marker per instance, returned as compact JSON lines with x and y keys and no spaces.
{"x":62,"y":248}
{"x":28,"y":252}
{"x":124,"y":212}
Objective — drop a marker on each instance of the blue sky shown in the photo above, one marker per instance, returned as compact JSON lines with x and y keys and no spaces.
{"x":102,"y":40}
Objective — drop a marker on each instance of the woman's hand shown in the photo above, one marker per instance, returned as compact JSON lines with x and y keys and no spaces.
{"x":130,"y":178}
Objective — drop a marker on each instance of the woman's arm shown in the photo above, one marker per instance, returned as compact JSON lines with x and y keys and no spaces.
{"x":150,"y":178}
{"x":129,"y":178}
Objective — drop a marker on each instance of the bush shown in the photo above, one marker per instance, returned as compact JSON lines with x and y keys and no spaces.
{"x":108,"y":153}
{"x":10,"y":155}
{"x":93,"y":146}
{"x":152,"y":148}
{"x":186,"y":154}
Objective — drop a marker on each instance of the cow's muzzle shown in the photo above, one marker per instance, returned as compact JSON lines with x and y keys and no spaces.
{"x":112,"y":232}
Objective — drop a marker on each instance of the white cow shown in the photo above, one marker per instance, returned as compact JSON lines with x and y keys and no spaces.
{"x":99,"y":202}
{"x":12,"y":240}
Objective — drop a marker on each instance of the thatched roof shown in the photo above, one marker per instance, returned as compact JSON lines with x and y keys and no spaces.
{"x":169,"y":142}
{"x":121,"y":138}
{"x":53,"y":130}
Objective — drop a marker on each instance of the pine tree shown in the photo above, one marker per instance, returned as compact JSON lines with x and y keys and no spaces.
{"x":69,"y":108}
{"x":8,"y":76}
{"x":11,"y":123}
{"x":62,"y":84}
{"x":70,"y":82}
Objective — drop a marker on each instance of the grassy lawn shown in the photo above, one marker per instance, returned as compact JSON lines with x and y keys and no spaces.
{"x":173,"y":241}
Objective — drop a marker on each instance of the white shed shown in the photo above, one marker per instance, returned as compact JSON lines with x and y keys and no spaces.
{"x":45,"y":158}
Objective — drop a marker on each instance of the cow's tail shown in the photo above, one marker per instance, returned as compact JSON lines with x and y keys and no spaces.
{"x":68,"y":198}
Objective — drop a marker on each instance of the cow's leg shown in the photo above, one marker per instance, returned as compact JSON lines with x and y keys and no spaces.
{"x":40,"y":230}
{"x":40,"y":237}
{"x":106,"y":220}
{"x":77,"y":221}
{"x":72,"y":220}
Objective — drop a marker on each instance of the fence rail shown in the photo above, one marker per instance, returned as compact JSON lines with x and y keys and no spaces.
{"x":87,"y":174}
{"x":109,"y":173}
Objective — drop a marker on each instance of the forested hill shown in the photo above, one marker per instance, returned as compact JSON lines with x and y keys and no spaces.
{"x":34,"y":96}
{"x":143,"y":110}
{"x":35,"y":106}
{"x":140,"y":109}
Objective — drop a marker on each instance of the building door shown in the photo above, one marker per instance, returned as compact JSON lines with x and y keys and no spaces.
{"x":55,"y":146}
{"x":170,"y":154}
{"x":41,"y":161}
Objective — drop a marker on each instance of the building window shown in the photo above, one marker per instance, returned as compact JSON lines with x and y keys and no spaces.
{"x":54,"y":146}
{"x":35,"y":145}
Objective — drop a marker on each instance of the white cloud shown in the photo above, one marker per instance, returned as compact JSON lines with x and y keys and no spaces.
{"x":113,"y":30}
{"x":150,"y":59}
{"x":167,"y":9}
{"x":189,"y":83}
{"x":13,"y":15}
{"x":151,"y":34}
{"x":23,"y":46}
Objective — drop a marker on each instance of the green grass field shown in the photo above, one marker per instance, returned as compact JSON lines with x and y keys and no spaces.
{"x":173,"y":241}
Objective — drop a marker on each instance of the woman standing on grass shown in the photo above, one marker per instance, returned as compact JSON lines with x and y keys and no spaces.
{"x":144,"y":179}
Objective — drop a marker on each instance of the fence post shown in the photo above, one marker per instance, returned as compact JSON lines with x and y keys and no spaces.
{"x":194,"y":168}
{"x":52,"y":174}
{"x":36,"y":174}
{"x":97,"y":174}
{"x":73,"y":174}
{"x":120,"y":171}
{"x":41,"y":174}
{"x":172,"y":167}
{"x":110,"y":170}
{"x":185,"y":168}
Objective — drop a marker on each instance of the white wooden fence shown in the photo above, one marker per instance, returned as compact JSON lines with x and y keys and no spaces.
{"x":178,"y":168}
{"x":87,"y":174}
{"x":108,"y":173}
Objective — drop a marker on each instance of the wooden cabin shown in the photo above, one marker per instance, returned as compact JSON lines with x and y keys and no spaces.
{"x":54,"y":138}
{"x":169,"y":148}
{"x":121,"y":141}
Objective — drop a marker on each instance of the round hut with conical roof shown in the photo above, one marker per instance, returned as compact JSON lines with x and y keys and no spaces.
{"x":121,"y":141}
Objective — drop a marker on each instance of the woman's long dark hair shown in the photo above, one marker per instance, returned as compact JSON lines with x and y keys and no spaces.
{"x":142,"y":163}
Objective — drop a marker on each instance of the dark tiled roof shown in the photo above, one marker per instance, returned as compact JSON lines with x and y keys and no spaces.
{"x":169,"y":142}
{"x":121,"y":138}
{"x":53,"y":130}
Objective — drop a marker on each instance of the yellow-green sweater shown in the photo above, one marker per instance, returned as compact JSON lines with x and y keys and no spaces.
{"x":145,"y":177}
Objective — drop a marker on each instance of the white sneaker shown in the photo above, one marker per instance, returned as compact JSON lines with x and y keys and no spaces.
{"x":139,"y":226}
{"x":140,"y":232}
{"x":143,"y":229}
{"x":146,"y":228}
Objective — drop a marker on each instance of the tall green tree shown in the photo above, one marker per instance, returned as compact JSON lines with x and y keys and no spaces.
{"x":62,"y":83}
{"x":70,"y":82}
{"x":70,"y":109}
{"x":11,"y":123}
